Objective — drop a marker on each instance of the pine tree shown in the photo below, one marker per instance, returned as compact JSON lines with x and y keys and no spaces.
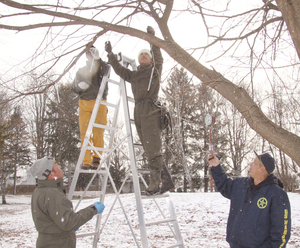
{"x":63,"y":140}
{"x":180,"y":95}
{"x":188,"y":150}
{"x":17,"y":147}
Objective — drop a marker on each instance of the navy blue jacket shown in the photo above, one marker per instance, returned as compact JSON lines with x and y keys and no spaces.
{"x":261,"y":219}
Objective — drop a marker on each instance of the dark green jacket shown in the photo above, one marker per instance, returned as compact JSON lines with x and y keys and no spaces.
{"x":53,"y":215}
{"x":140,"y":79}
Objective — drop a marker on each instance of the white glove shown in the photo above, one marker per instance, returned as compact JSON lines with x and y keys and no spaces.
{"x":83,"y":85}
{"x":94,"y":52}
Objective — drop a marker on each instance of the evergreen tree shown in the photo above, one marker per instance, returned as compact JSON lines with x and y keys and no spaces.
{"x":17,"y":147}
{"x":207,"y":103}
{"x":180,"y":95}
{"x":5,"y":127}
{"x":4,"y":169}
{"x":63,"y":140}
{"x":187,"y":152}
{"x":62,"y":118}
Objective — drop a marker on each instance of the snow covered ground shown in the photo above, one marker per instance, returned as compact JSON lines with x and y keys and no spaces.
{"x":202,"y":218}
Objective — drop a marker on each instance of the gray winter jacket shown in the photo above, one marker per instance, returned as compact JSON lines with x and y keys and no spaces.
{"x":53,"y":215}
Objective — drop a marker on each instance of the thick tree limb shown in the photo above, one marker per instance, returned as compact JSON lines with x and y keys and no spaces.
{"x":290,"y":10}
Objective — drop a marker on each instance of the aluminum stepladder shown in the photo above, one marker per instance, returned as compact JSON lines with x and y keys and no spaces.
{"x":134,"y":172}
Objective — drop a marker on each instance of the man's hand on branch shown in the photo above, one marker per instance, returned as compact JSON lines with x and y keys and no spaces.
{"x":108,"y":48}
{"x":150,"y":30}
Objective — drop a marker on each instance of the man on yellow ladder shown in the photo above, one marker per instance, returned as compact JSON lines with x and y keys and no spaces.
{"x":86,"y":84}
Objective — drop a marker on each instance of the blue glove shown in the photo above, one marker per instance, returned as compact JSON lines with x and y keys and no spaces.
{"x":100,"y":207}
{"x":76,"y":229}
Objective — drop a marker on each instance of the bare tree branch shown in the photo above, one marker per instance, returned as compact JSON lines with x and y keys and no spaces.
{"x":160,"y":12}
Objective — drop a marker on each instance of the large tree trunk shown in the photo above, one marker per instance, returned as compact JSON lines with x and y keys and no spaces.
{"x":290,"y":10}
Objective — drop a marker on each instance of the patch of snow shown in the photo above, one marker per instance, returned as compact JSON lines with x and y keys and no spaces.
{"x":202,"y":219}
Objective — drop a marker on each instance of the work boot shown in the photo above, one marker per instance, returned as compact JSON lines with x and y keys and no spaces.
{"x":155,"y":178}
{"x":95,"y":164}
{"x":167,"y":183}
{"x":85,"y":167}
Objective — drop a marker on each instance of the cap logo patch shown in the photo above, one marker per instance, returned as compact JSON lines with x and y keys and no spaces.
{"x":46,"y":173}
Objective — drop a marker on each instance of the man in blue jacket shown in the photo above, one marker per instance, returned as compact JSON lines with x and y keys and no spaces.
{"x":260,"y":213}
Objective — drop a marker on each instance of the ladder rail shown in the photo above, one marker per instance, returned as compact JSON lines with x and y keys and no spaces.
{"x":112,"y":132}
{"x":175,"y":223}
{"x":136,"y":184}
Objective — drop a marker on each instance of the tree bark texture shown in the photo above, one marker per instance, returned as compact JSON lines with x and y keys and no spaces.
{"x":290,"y":10}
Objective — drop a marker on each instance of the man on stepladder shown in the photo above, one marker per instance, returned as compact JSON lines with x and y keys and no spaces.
{"x":86,"y":84}
{"x":145,"y":84}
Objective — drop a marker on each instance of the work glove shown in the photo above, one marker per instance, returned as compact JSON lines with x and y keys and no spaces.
{"x":76,"y":229}
{"x":108,"y":47}
{"x":150,"y":30}
{"x":94,"y":52}
{"x":99,"y":206}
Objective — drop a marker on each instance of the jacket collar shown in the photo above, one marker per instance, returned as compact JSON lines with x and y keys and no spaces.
{"x":51,"y":184}
{"x":271,"y":179}
{"x":144,"y":67}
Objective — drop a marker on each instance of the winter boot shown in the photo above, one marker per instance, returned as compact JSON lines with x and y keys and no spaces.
{"x":95,"y":164}
{"x":155,"y":178}
{"x":167,"y":183}
{"x":85,"y":167}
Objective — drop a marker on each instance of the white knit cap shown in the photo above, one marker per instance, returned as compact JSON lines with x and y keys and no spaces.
{"x":94,"y":52}
{"x":42,"y":168}
{"x":145,"y":51}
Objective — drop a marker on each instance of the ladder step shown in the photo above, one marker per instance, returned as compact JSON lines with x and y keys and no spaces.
{"x":90,"y":171}
{"x":136,"y":145}
{"x":165,"y":195}
{"x":132,"y":121}
{"x":160,"y":221}
{"x":143,"y":171}
{"x":179,"y":244}
{"x":130,"y":99}
{"x":86,"y":234}
{"x":114,"y":82}
{"x":98,"y":149}
{"x":104,"y":127}
{"x":109,"y":104}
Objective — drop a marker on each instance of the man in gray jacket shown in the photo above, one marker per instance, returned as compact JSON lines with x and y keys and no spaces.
{"x":52,"y":212}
